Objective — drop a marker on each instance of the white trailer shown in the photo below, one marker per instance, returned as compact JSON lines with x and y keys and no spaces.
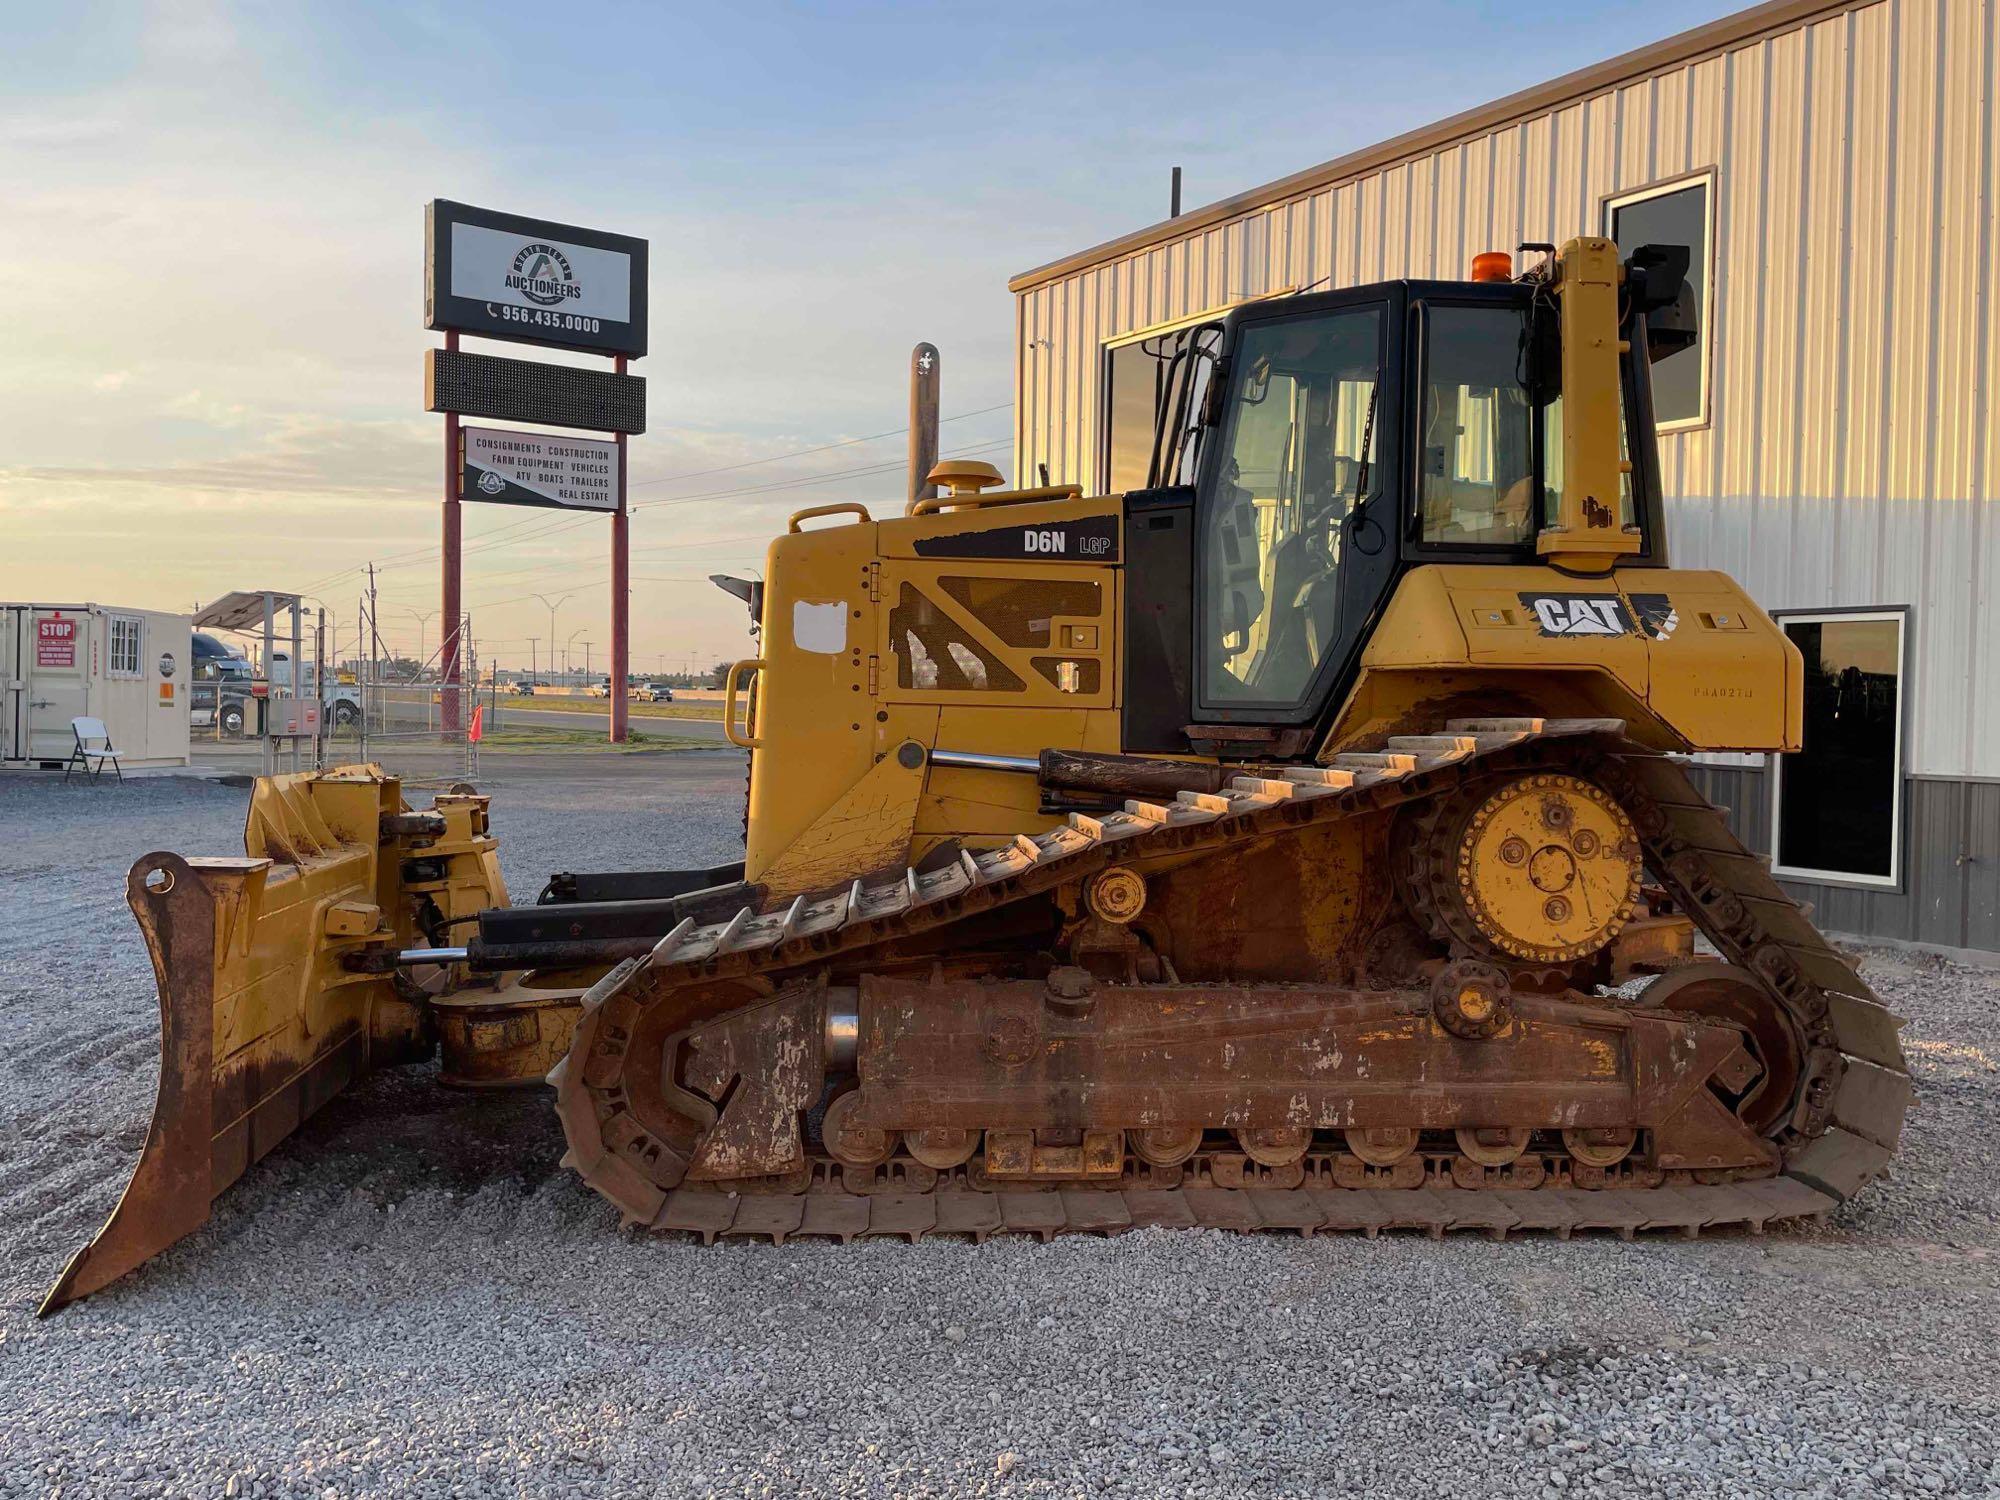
{"x":128,"y":667}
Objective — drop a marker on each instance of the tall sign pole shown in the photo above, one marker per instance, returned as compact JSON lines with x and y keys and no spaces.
{"x":534,"y":281}
{"x":449,"y":656}
{"x":621,"y":598}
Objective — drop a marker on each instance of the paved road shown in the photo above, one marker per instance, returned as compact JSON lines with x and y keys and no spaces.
{"x":512,"y":716}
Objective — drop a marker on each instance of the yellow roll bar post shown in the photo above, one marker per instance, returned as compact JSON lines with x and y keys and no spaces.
{"x":1587,"y":535}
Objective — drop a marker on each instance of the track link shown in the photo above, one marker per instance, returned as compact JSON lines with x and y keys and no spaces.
{"x":1845,"y":1126}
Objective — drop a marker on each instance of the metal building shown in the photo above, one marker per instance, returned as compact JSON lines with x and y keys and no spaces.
{"x":1832,"y":441}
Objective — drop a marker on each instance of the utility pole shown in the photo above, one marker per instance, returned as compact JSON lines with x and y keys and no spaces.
{"x":374,"y":631}
{"x":531,"y":658}
{"x":924,"y":373}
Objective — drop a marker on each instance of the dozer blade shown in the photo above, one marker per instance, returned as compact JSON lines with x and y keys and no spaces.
{"x":170,"y":1190}
{"x":276,"y":986}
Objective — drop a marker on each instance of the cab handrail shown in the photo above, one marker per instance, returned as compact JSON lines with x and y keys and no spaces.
{"x":939,"y":503}
{"x":842,"y":508}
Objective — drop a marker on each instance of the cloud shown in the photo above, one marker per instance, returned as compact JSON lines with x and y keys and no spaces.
{"x":111,"y":381}
{"x":291,"y":455}
{"x":193,"y":407}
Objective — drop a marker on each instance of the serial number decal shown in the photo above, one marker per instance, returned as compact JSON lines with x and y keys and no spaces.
{"x":1093,"y":540}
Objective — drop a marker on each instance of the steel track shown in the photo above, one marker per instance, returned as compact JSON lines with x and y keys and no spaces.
{"x":1845,"y":1125}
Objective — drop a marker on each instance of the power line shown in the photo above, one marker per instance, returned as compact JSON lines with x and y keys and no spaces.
{"x":424,"y":553}
{"x":570,"y":524}
{"x":874,"y":437}
{"x":809,"y":480}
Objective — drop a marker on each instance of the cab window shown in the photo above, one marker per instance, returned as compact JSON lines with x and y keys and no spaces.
{"x":1477,"y":481}
{"x":1299,"y":453}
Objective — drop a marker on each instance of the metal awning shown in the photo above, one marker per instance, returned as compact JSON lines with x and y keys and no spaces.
{"x":242,"y":609}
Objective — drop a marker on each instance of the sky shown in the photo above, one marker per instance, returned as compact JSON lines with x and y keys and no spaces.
{"x":211,"y":236}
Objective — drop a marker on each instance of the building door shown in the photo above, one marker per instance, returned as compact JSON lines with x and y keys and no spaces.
{"x":57,"y":656}
{"x":13,"y":682}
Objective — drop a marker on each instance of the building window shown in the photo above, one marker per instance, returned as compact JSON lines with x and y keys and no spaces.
{"x":1675,"y":213}
{"x":1838,"y":803}
{"x":1139,"y":372}
{"x":125,"y":634}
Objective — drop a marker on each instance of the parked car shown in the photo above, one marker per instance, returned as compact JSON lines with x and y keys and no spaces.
{"x":654,"y":692}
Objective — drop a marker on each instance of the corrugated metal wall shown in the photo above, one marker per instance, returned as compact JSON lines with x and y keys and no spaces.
{"x":1854,"y":441}
{"x":1950,"y":894}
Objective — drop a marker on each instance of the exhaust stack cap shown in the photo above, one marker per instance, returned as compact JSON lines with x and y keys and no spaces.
{"x":964,"y":476}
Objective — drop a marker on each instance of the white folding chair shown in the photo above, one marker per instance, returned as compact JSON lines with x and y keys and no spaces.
{"x":93,"y":749}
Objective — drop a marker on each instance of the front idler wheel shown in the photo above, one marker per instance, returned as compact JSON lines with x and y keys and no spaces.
{"x":1725,"y":992}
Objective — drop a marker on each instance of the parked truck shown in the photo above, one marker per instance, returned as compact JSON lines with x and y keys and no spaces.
{"x":227,"y":685}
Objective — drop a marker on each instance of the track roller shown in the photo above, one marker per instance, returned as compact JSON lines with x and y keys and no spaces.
{"x":1493,"y":1148}
{"x":1277,"y":1146}
{"x":851,"y":1143}
{"x":1603,"y":1147}
{"x":1382,"y":1146}
{"x":1166,"y":1145}
{"x":942,"y":1147}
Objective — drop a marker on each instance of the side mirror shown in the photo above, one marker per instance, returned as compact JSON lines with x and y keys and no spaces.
{"x":1656,"y":282}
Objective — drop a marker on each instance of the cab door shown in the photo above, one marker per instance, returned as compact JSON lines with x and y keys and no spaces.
{"x":58,"y":659}
{"x":1295,"y":523}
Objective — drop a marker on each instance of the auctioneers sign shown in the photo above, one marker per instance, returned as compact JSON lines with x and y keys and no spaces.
{"x":537,"y":468}
{"x":503,"y":276}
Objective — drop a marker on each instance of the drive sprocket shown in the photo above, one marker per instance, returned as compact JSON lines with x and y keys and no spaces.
{"x":1539,"y":868}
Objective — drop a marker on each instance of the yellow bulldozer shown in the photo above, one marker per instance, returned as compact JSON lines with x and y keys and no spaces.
{"x":1295,"y":842}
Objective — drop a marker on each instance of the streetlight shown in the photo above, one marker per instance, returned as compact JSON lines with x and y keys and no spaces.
{"x":532,"y":640}
{"x":572,"y":636}
{"x":560,"y":599}
{"x":423,"y":619}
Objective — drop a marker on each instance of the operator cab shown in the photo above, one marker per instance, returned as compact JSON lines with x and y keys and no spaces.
{"x":1308,"y":450}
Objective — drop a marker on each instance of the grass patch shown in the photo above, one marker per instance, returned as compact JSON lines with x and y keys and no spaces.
{"x":696,"y":710}
{"x":584,"y":739}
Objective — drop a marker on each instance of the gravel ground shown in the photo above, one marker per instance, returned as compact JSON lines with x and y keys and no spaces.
{"x":409,"y":1298}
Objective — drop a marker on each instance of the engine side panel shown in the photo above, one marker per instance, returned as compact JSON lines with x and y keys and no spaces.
{"x":1684,"y":656}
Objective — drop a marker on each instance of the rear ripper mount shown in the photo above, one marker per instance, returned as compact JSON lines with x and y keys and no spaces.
{"x":959,"y":1095}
